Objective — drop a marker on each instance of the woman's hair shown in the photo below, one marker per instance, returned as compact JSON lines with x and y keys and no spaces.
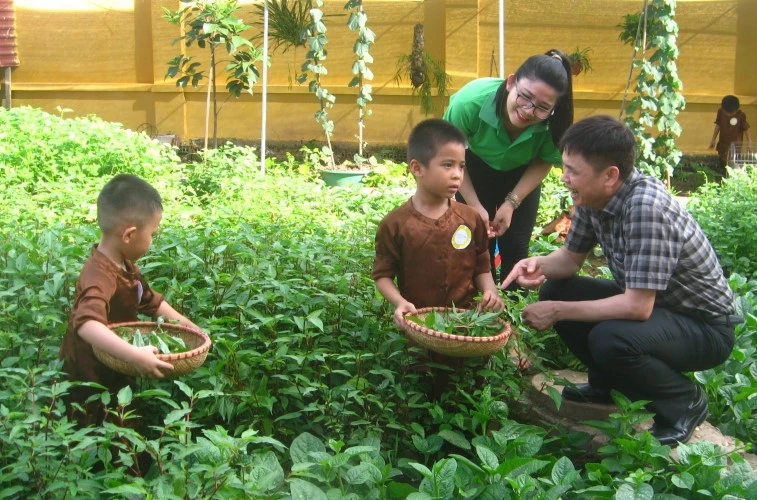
{"x":552,"y":68}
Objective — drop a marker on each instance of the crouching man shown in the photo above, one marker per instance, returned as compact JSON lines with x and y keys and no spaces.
{"x":669,"y":308}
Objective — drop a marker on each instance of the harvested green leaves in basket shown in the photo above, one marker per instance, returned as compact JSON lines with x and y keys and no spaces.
{"x":164,"y":341}
{"x":471,"y":323}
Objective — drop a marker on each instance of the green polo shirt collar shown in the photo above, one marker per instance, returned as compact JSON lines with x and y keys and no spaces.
{"x":473,"y":111}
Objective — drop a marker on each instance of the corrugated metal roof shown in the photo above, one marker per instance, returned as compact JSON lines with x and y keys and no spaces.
{"x":8,"y":52}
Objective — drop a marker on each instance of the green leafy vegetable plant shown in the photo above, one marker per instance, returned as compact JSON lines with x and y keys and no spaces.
{"x":468,"y":322}
{"x":727,"y":212}
{"x":164,"y":341}
{"x":311,"y":392}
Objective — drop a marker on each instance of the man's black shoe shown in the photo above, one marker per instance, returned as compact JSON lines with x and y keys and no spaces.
{"x":584,"y":393}
{"x":683,"y":429}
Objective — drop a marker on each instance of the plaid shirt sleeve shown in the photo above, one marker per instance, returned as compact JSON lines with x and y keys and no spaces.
{"x":581,"y":236}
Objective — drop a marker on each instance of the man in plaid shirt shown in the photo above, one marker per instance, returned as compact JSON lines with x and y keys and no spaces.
{"x":669,"y":308}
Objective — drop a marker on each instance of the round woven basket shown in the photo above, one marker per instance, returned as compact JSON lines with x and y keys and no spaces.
{"x":460,"y":346}
{"x":183,"y":362}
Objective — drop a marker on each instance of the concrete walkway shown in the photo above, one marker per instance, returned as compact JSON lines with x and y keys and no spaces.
{"x":571,"y":414}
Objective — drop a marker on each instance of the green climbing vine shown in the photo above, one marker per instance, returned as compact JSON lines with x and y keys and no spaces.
{"x":317,"y":53}
{"x":658,"y":98}
{"x":365,"y":37}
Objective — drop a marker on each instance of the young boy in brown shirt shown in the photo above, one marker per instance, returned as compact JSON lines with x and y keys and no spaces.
{"x":436,"y":248}
{"x":731,"y":126}
{"x":111,"y":289}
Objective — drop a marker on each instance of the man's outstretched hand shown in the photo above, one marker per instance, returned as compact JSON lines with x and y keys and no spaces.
{"x":527,"y":273}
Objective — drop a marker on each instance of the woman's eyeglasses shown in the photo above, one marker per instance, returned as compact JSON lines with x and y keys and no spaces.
{"x":526,"y":103}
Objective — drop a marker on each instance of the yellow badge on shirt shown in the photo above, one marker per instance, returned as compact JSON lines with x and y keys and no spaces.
{"x":462,"y":237}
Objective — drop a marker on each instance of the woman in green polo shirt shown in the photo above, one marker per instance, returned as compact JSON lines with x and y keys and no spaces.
{"x":513,"y":127}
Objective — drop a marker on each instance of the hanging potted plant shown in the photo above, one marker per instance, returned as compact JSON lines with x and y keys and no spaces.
{"x":631,"y":29}
{"x":286,"y":23}
{"x":425,"y":73}
{"x":579,"y":60}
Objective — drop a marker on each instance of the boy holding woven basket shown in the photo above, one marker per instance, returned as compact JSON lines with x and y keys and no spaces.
{"x":111,"y":289}
{"x":436,"y":248}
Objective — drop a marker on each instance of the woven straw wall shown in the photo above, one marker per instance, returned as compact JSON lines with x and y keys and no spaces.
{"x":109,"y":58}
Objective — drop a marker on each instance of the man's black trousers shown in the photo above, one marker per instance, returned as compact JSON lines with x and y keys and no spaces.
{"x":641,"y":359}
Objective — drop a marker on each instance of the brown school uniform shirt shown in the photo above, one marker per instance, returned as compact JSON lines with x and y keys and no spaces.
{"x":730,"y":133}
{"x":434,"y":261}
{"x":108,"y":294}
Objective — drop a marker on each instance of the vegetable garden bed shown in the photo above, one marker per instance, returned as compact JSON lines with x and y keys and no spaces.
{"x":309,"y":392}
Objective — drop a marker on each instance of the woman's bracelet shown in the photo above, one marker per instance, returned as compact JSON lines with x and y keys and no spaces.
{"x":513,"y":199}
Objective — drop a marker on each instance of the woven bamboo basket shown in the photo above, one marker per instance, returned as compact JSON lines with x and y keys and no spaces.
{"x":183,"y":362}
{"x":460,"y":346}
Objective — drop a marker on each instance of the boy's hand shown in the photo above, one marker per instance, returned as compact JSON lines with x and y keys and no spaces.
{"x":143,"y":358}
{"x":712,"y":145}
{"x":491,"y":301}
{"x":403,"y":308}
{"x":147,"y":364}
